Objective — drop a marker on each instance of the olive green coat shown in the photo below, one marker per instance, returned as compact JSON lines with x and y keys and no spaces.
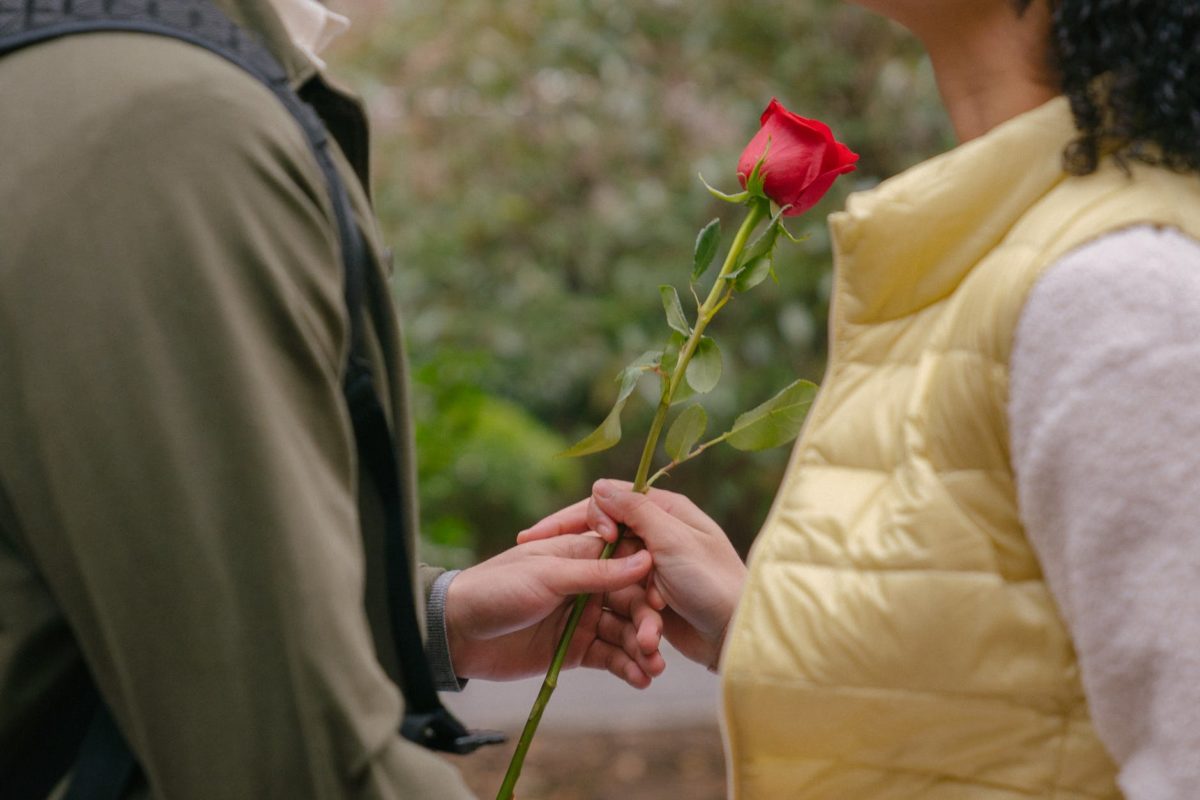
{"x":178,"y":500}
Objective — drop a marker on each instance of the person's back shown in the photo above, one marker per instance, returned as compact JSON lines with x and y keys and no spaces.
{"x":208,"y":516}
{"x":170,"y":279}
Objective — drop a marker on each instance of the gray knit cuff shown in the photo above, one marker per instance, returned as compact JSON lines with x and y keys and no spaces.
{"x":437,"y":648}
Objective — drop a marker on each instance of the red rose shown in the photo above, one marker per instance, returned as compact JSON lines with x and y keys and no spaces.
{"x":802,"y":162}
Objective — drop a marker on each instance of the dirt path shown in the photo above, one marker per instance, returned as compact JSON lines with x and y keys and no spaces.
{"x":601,"y":740}
{"x":667,"y":764}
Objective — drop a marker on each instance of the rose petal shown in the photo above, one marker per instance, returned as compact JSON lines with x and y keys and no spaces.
{"x":803,"y":158}
{"x":813,"y":193}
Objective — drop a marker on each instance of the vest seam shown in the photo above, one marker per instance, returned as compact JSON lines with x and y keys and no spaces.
{"x":859,"y":568}
{"x":1061,"y":760}
{"x":887,"y":471}
{"x":1005,"y":698}
{"x":956,"y":348}
{"x":949,"y":778}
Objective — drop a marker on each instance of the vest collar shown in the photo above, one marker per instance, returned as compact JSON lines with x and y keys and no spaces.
{"x":909,"y":242}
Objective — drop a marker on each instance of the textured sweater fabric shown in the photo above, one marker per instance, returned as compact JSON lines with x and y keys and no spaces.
{"x":1105,"y":434}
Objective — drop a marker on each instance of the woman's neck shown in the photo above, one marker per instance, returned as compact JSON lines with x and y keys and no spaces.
{"x":991,"y":69}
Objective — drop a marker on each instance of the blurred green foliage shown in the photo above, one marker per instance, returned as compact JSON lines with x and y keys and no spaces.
{"x":535,"y":170}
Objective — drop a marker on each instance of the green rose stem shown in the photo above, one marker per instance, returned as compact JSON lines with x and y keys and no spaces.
{"x":718,"y":296}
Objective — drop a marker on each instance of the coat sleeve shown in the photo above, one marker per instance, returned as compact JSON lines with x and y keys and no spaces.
{"x":1105,"y":426}
{"x":177,"y":450}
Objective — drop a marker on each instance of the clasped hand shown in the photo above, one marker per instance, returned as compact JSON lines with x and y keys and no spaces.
{"x":675,"y":574}
{"x":505,"y":615}
{"x":697,"y":575}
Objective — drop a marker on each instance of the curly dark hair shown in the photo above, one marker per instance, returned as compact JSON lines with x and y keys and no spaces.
{"x":1131,"y":70}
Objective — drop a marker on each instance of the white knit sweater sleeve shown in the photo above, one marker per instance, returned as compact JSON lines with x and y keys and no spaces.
{"x":1105,"y":425}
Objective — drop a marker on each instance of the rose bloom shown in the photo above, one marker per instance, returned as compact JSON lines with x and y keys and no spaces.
{"x":803,"y":159}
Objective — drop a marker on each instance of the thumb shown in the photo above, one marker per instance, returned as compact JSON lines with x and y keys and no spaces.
{"x":646,"y":519}
{"x":587,"y":576}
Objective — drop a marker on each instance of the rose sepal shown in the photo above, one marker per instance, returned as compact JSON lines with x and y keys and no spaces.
{"x":736,"y":199}
{"x":756,"y":181}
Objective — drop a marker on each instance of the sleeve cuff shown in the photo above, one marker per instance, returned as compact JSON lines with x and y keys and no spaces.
{"x":437,"y":649}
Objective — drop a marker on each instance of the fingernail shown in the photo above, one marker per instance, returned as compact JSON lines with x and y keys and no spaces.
{"x":607,"y":529}
{"x":603,"y":489}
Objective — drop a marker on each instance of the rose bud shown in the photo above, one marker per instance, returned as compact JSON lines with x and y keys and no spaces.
{"x":802,"y":159}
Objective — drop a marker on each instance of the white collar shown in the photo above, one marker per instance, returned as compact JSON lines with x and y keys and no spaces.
{"x":311,"y":26}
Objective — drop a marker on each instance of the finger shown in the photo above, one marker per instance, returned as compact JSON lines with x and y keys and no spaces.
{"x":681,"y":506}
{"x":567,"y":576}
{"x":572,"y":519}
{"x":585,"y":546}
{"x":582,"y":545}
{"x":675,"y":504}
{"x":620,"y":632}
{"x":600,"y":522}
{"x":645,"y":518}
{"x":654,"y":595}
{"x":605,"y":656}
{"x":646,"y":622}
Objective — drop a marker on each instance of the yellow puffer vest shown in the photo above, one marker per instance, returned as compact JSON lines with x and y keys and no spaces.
{"x":896,"y":638}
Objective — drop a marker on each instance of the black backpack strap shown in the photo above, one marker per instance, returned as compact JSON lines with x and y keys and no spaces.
{"x":33,"y":764}
{"x":426,"y":720}
{"x":105,"y":764}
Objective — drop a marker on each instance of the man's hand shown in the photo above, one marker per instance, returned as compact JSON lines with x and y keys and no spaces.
{"x":698,"y":576}
{"x":505,"y":616}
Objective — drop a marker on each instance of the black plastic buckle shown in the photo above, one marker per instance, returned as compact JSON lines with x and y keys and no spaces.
{"x":439,"y":730}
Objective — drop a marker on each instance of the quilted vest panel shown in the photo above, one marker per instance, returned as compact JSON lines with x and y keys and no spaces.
{"x":896,"y":638}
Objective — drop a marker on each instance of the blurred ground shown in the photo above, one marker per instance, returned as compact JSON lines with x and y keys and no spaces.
{"x":600,"y":739}
{"x":633,"y":765}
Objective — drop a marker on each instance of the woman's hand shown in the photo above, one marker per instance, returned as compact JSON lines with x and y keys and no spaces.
{"x":505,"y":615}
{"x":698,"y":576}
